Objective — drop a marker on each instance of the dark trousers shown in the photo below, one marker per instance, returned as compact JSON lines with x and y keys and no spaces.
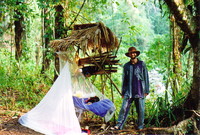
{"x":123,"y":114}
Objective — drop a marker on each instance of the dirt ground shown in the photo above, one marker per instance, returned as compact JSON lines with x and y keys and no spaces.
{"x":9,"y":126}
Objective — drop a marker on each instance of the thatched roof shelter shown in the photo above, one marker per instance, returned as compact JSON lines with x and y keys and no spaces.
{"x":91,"y":45}
{"x":93,"y":37}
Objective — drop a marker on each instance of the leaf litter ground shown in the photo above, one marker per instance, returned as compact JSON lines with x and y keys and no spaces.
{"x":9,"y":125}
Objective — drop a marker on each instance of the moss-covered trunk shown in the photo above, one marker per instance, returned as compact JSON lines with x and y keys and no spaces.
{"x":19,"y":31}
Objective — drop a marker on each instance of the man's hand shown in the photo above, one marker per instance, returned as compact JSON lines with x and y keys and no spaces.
{"x":146,"y":94}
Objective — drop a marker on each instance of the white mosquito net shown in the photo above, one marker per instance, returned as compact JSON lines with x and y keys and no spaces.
{"x":70,"y":95}
{"x":86,"y":97}
{"x":55,"y":114}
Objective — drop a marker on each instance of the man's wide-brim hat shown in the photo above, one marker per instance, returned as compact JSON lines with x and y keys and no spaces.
{"x":132,"y":50}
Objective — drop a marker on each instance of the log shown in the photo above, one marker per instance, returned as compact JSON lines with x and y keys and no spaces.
{"x":180,"y":128}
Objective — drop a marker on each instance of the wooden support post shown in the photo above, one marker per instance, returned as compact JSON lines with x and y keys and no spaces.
{"x":105,"y":74}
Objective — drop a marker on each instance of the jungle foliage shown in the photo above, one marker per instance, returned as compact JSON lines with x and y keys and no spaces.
{"x":145,"y":24}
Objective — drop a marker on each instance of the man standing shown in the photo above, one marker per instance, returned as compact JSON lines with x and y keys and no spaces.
{"x":135,"y":87}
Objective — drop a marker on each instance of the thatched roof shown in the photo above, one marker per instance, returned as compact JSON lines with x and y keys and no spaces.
{"x":94,"y":37}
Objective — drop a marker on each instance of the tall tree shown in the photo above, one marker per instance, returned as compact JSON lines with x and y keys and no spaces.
{"x":19,"y":29}
{"x":59,"y":33}
{"x":176,"y":34}
{"x":47,"y":35}
{"x":187,"y":16}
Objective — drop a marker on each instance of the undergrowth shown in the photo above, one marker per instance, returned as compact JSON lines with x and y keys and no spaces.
{"x":22,"y":85}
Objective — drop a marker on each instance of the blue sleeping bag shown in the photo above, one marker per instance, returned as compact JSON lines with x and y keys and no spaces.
{"x":99,"y":108}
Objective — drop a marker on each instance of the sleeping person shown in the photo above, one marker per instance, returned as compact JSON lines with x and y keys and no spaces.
{"x":94,"y":104}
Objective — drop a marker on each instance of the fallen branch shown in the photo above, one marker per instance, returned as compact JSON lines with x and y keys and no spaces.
{"x":181,"y":128}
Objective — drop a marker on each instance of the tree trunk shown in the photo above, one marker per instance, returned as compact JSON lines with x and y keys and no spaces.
{"x":193,"y":99}
{"x":19,"y":32}
{"x":177,"y":68}
{"x":47,"y":36}
{"x":189,"y":22}
{"x":37,"y":55}
{"x":190,"y":25}
{"x":59,"y":33}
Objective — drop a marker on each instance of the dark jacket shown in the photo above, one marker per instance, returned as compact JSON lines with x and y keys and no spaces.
{"x":128,"y":76}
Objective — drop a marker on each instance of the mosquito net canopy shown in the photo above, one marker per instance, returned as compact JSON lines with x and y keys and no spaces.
{"x":86,"y":97}
{"x":58,"y":113}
